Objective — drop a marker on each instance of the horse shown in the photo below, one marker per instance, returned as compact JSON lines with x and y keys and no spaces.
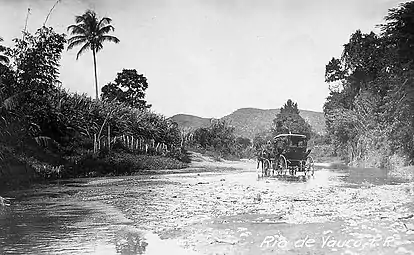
{"x":263,"y":159}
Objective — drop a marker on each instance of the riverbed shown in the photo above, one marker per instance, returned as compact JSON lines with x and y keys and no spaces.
{"x":214,"y":208}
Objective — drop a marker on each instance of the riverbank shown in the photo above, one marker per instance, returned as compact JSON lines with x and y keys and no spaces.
{"x":406,"y":173}
{"x":20,"y":174}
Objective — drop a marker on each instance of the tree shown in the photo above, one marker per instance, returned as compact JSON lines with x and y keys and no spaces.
{"x":289,"y":107}
{"x":289,"y":121}
{"x":35,"y":62}
{"x":218,"y":136}
{"x":7,"y":75}
{"x":129,"y":88}
{"x":3,"y":59}
{"x":261,"y":138}
{"x":372,"y":107}
{"x":243,"y":142}
{"x":202,"y":137}
{"x":92,"y":33}
{"x":399,"y":29}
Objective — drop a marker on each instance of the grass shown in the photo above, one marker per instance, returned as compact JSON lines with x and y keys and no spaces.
{"x":21,"y":170}
{"x":120,"y":163}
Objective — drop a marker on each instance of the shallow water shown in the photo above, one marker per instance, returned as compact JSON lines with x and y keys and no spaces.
{"x":228,"y":212}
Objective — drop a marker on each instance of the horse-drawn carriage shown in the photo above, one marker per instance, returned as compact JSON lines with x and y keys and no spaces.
{"x":286,"y":153}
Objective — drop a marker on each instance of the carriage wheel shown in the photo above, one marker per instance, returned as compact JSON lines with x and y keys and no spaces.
{"x":266,"y":167}
{"x":310,"y":165}
{"x":282,"y":164}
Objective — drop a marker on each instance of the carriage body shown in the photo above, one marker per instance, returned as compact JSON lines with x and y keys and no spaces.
{"x":293,"y":150}
{"x":289,"y":154}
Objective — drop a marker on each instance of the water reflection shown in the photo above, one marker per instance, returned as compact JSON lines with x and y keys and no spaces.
{"x":62,"y":227}
{"x":80,"y":217}
{"x":358,"y":177}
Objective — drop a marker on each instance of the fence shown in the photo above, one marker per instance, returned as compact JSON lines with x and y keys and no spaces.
{"x":138,"y":145}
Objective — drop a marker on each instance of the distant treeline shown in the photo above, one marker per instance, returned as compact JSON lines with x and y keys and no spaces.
{"x":218,"y":140}
{"x":370,"y":110}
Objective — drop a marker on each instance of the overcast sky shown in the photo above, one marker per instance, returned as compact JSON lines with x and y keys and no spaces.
{"x":209,"y":57}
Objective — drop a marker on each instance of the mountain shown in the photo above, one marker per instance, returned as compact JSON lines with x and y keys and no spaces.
{"x":250,"y":121}
{"x":191,"y":121}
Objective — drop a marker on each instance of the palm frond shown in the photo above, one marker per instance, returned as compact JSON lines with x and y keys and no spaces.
{"x":106,"y":29}
{"x":104,"y":21}
{"x":84,"y":48}
{"x":98,"y":46}
{"x":77,"y":38}
{"x":79,"y":19}
{"x":88,"y":15}
{"x":89,"y":18}
{"x":77,"y":29}
{"x":76,"y":43}
{"x":108,"y":38}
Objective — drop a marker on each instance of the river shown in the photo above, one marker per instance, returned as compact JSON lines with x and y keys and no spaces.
{"x":223,"y":209}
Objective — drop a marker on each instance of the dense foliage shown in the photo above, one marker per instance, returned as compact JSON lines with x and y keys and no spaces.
{"x":51,"y":130}
{"x":219,"y":138}
{"x":3,"y":59}
{"x":129,"y":88}
{"x":370,"y":111}
{"x":289,"y":121}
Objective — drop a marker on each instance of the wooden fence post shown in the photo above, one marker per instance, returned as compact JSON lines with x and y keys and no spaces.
{"x":109,"y":138}
{"x":94,"y":144}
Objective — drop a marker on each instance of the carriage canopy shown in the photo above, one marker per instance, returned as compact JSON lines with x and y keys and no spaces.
{"x":289,"y":152}
{"x":292,"y":140}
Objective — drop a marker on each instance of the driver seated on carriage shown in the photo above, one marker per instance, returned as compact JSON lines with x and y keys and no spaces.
{"x":286,"y":152}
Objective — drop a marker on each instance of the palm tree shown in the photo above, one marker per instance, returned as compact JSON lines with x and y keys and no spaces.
{"x":3,"y":59}
{"x":91,"y":32}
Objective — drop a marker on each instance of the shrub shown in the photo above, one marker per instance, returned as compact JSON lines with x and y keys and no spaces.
{"x":121,"y":164}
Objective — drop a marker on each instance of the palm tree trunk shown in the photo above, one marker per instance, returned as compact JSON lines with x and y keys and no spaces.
{"x":96,"y":75}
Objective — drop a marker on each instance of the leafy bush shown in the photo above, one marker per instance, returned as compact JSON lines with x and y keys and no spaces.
{"x":219,"y":141}
{"x":121,"y":164}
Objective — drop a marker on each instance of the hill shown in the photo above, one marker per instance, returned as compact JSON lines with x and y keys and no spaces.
{"x":191,"y":121}
{"x":250,"y":121}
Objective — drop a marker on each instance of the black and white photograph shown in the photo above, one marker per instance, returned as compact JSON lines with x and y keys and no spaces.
{"x":206,"y":127}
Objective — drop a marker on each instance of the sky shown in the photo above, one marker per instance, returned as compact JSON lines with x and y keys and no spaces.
{"x":208,"y":57}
